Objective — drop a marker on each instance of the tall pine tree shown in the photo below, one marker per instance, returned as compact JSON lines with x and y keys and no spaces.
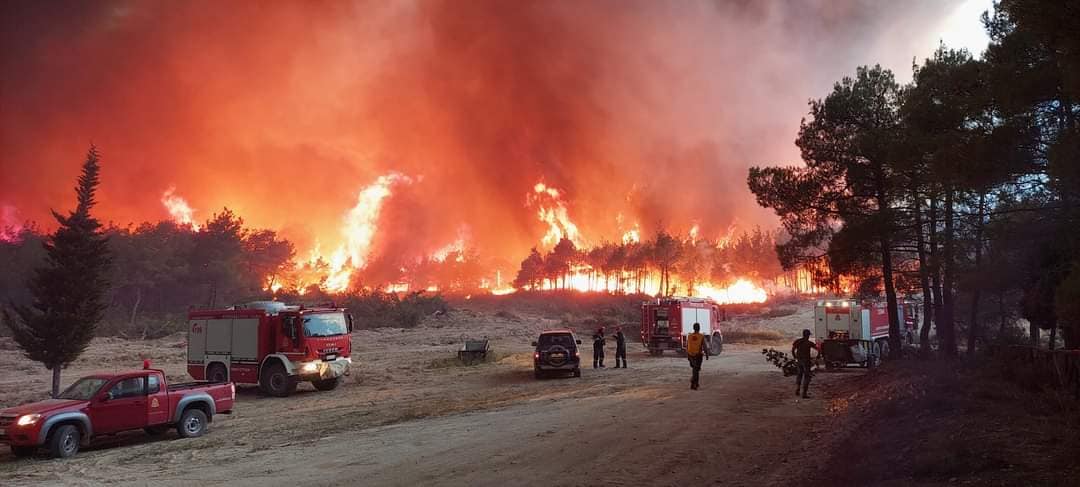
{"x":68,"y":292}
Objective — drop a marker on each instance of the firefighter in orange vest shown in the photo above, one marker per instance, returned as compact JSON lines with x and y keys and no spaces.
{"x":695,"y":351}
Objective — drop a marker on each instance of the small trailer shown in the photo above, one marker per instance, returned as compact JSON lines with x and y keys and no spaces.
{"x":474,"y":351}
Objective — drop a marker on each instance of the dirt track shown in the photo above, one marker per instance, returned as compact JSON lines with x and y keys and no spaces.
{"x":409,"y":417}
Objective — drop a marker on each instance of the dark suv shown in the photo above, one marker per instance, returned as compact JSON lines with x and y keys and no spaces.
{"x":557,"y":351}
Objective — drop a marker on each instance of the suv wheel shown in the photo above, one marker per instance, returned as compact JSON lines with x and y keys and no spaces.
{"x":577,"y":372}
{"x":64,"y":441}
{"x":539,"y":374}
{"x":192,"y":423}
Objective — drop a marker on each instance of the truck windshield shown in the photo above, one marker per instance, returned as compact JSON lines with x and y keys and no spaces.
{"x":83,"y":390}
{"x":325,"y":325}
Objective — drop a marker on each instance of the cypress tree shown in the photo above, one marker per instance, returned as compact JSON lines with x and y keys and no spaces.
{"x":68,"y":291}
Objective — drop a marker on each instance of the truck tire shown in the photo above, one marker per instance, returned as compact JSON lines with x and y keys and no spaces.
{"x":23,"y":451}
{"x":64,"y":441}
{"x":216,"y":373}
{"x":276,"y":381}
{"x":577,"y":372}
{"x":716,"y":345}
{"x":192,"y":423}
{"x":327,"y":384}
{"x":538,"y":374}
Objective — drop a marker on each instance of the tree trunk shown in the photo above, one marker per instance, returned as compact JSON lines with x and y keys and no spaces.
{"x":135,"y":312}
{"x":973,"y":324}
{"x":924,"y":279}
{"x":948,"y":325}
{"x":1053,"y":335}
{"x":1033,"y":331}
{"x":55,"y":381}
{"x":1001,"y":315}
{"x":890,"y":300}
{"x":935,"y":266}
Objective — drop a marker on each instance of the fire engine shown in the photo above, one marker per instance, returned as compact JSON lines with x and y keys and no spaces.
{"x":860,"y":327}
{"x":270,"y":344}
{"x":665,"y":323}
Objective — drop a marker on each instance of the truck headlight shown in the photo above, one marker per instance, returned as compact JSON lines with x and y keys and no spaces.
{"x":28,"y":419}
{"x":310,"y":367}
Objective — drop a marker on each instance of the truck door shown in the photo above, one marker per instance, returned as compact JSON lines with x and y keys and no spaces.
{"x":157,"y":401}
{"x":122,"y":406}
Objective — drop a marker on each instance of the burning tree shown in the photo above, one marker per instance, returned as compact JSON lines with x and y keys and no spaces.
{"x":68,"y":292}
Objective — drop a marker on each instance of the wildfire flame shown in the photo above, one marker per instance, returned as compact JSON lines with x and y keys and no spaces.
{"x":742,"y":291}
{"x":551,"y":209}
{"x":179,"y":209}
{"x":10,"y":228}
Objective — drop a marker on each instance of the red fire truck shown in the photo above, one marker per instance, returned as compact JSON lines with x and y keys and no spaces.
{"x":863,"y":325}
{"x":665,"y":323}
{"x":270,"y":344}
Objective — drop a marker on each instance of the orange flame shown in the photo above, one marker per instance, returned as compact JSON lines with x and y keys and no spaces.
{"x":551,"y":209}
{"x":178,"y":208}
{"x":742,"y":291}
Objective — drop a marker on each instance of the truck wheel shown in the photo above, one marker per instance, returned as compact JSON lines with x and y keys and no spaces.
{"x":216,"y":373}
{"x":192,"y":423}
{"x":717,"y":344}
{"x":577,"y":372}
{"x":883,"y":351}
{"x":64,"y":441}
{"x":155,"y":430}
{"x":538,"y":374}
{"x":276,"y":381}
{"x":23,"y":451}
{"x":326,"y":384}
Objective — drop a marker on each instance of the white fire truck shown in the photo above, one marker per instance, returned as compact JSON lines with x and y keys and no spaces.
{"x":852,"y":331}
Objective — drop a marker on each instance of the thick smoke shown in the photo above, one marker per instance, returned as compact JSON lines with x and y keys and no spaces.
{"x":639,"y":112}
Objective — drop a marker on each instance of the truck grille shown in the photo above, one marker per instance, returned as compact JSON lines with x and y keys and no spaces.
{"x":7,"y":419}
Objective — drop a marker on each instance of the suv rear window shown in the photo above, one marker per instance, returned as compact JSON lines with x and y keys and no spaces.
{"x":564,"y":340}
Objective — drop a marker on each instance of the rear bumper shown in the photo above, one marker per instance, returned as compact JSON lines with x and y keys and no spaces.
{"x":566,"y":366}
{"x":665,"y":343}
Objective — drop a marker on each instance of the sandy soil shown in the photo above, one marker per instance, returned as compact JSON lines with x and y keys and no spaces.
{"x":410,"y":416}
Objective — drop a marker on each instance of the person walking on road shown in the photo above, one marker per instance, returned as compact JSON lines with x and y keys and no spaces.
{"x":801,"y":351}
{"x":598,"y":348}
{"x":695,"y":351}
{"x":620,"y":347}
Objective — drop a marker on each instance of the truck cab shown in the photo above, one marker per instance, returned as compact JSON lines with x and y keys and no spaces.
{"x":106,"y":404}
{"x":271,"y":344}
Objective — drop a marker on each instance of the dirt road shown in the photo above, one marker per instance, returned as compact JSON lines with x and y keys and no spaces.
{"x":416,"y":419}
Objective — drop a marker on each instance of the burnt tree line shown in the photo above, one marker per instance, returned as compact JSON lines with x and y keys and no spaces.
{"x":962,"y":186}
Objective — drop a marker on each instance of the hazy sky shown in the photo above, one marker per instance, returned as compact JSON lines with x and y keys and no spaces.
{"x":641,"y":112}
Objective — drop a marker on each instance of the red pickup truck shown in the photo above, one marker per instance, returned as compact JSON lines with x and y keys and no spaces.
{"x":105,"y":404}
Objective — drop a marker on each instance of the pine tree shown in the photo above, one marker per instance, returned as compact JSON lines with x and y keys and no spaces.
{"x":68,"y":291}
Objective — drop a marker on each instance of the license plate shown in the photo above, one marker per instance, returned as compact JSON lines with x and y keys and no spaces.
{"x":331,"y":357}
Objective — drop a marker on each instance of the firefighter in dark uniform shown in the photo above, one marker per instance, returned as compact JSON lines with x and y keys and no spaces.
{"x":598,"y":348}
{"x":620,"y":347}
{"x":801,"y":351}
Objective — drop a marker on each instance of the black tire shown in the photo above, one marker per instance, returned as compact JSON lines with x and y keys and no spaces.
{"x":23,"y":451}
{"x":192,"y":423}
{"x":538,"y":374}
{"x":276,"y":381}
{"x":64,"y":441}
{"x":716,"y":345}
{"x":577,"y":372}
{"x":217,"y":373}
{"x":156,"y":430}
{"x":883,"y":350}
{"x":327,"y":384}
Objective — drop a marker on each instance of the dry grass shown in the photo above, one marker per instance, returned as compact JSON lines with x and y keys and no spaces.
{"x":752,"y":336}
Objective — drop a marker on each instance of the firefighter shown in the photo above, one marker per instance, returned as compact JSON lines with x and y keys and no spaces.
{"x":620,"y":347}
{"x":598,"y":348}
{"x":801,"y":351}
{"x":695,"y":350}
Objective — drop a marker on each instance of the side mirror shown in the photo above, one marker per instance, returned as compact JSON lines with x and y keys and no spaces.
{"x":578,"y":342}
{"x":349,"y":321}
{"x":534,"y":344}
